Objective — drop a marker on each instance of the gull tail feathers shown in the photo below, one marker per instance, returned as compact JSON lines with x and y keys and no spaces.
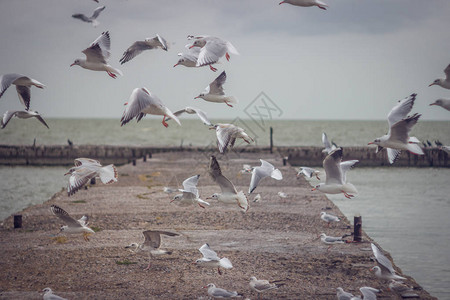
{"x":37,"y":84}
{"x":113,"y":70}
{"x":108,"y":174}
{"x":243,"y":201}
{"x":415,"y":149}
{"x":225,"y":263}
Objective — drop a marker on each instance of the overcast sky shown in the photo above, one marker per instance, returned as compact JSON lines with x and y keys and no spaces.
{"x":352,"y":61}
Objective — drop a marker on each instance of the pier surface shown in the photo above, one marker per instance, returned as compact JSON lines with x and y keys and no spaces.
{"x":277,"y":239}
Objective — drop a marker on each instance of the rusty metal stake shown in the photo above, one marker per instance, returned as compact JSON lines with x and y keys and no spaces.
{"x":357,"y":229}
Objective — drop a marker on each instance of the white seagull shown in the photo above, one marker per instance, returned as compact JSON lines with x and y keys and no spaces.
{"x":97,"y":55}
{"x":227,"y":135}
{"x":400,"y":125}
{"x":404,"y":290}
{"x":306,"y":3}
{"x":326,"y":143}
{"x":219,"y":293}
{"x":261,"y":285}
{"x":190,"y":193}
{"x":192,"y":110}
{"x":139,"y":46}
{"x":211,"y":259}
{"x":331,"y":240}
{"x":21,"y":114}
{"x":214,"y":92}
{"x":369,"y":293}
{"x":336,"y":176}
{"x":85,"y":169}
{"x":92,"y":19}
{"x":343,"y":295}
{"x":23,"y":85}
{"x":265,"y":170}
{"x":212,"y":49}
{"x":229,"y":194}
{"x":309,"y":172}
{"x":443,"y":82}
{"x":151,"y":243}
{"x":190,"y":57}
{"x":142,"y":102}
{"x":384,"y":270}
{"x":328,"y":218}
{"x":73,"y":226}
{"x":444,"y":103}
{"x":48,"y":295}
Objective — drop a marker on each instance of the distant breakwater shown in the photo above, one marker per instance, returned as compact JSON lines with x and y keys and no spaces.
{"x":48,"y":155}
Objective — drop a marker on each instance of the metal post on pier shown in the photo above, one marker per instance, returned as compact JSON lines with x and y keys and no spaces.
{"x":357,"y":229}
{"x":17,"y":221}
{"x":271,"y":139}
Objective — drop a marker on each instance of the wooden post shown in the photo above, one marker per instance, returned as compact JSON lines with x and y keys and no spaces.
{"x":93,"y":180}
{"x":134,"y":162}
{"x":144,"y":159}
{"x":271,"y":139}
{"x":17,"y":221}
{"x":357,"y":229}
{"x":133,"y":154}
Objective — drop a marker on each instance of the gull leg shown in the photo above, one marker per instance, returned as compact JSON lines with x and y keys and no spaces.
{"x":226,"y":102}
{"x":317,"y":177}
{"x":86,"y":236}
{"x":164,"y":122}
{"x":201,"y":205}
{"x":111,"y":74}
{"x":329,"y":247}
{"x":148,"y":267}
{"x":227,"y":56}
{"x":212,"y":68}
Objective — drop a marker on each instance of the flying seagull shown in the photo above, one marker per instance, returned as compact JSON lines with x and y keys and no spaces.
{"x":227,"y":135}
{"x":212,"y":49}
{"x":265,"y":170}
{"x":211,"y":259}
{"x":443,"y":82}
{"x":72,"y":225}
{"x":192,"y":110}
{"x":306,"y":3}
{"x":97,"y":55}
{"x":190,"y":193}
{"x":21,"y":114}
{"x":23,"y":85}
{"x":444,"y":103}
{"x":214,"y":92}
{"x":92,"y":19}
{"x":139,"y":46}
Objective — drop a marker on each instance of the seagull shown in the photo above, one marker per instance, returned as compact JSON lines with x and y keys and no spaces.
{"x":443,"y":82}
{"x":328,"y":218}
{"x":328,"y":146}
{"x":444,"y":103}
{"x":212,"y":49}
{"x":343,"y":295}
{"x":246,"y":169}
{"x":85,"y":169}
{"x":219,"y":293}
{"x":404,"y":290}
{"x":189,"y":193}
{"x":211,"y":259}
{"x":189,"y":58}
{"x":265,"y":170}
{"x":445,"y":148}
{"x":96,"y":56}
{"x":92,"y":19}
{"x":384,"y":270}
{"x":151,"y":243}
{"x":192,"y":110}
{"x":48,"y":295}
{"x":336,"y":176}
{"x":282,"y":195}
{"x":308,"y":172}
{"x":261,"y":285}
{"x":142,"y":102}
{"x":229,"y":193}
{"x":257,"y":198}
{"x":227,"y":135}
{"x":400,"y":125}
{"x":73,"y":226}
{"x":331,"y":240}
{"x":21,"y":114}
{"x":214,"y":92}
{"x":369,"y":293}
{"x":306,"y":3}
{"x":139,"y":46}
{"x":23,"y":85}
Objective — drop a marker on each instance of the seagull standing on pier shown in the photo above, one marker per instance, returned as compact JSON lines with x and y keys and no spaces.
{"x":261,"y":285}
{"x":328,"y":218}
{"x":97,"y":55}
{"x":220,"y":293}
{"x":142,"y":102}
{"x":48,"y":295}
{"x":384,"y":270}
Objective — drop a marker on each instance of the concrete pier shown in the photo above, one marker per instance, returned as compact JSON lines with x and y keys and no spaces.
{"x":277,"y":239}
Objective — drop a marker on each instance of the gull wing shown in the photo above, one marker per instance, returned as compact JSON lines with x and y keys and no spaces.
{"x":401,"y":110}
{"x":382,"y":260}
{"x":79,"y":178}
{"x":326,"y":142}
{"x":225,"y":184}
{"x":24,"y":93}
{"x":97,"y":12}
{"x":202,"y":115}
{"x":222,"y":293}
{"x":216,"y":87}
{"x":346,"y":166}
{"x":308,"y":172}
{"x":447,"y":73}
{"x":39,"y":117}
{"x":7,"y":117}
{"x":135,"y":49}
{"x":84,"y":220}
{"x":400,"y":130}
{"x":86,"y":161}
{"x":258,"y":173}
{"x":63,"y":215}
{"x":369,"y":293}
{"x":190,"y":185}
{"x":332,"y":167}
{"x":162,"y":41}
{"x":8,"y":79}
{"x":393,"y":154}
{"x":208,"y":253}
{"x":82,"y":17}
{"x":140,"y":99}
{"x":98,"y":51}
{"x":211,"y":52}
{"x":225,"y":136}
{"x":152,"y":239}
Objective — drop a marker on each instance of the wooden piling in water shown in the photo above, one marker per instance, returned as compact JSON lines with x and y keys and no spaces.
{"x":357,"y":229}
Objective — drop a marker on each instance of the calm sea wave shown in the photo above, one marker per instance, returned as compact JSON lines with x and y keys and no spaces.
{"x":404,"y":209}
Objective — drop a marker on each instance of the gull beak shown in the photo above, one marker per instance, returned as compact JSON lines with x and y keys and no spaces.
{"x":67,"y":173}
{"x":371,"y":143}
{"x":431,"y":84}
{"x":197,"y":97}
{"x":175,"y":65}
{"x":432,"y":104}
{"x":281,"y":3}
{"x":191,"y":47}
{"x":313,"y":189}
{"x":72,"y":64}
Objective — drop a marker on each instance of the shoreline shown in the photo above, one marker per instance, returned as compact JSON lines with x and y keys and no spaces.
{"x":275,"y":239}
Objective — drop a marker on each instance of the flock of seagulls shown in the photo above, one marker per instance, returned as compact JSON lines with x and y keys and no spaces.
{"x":201,"y":52}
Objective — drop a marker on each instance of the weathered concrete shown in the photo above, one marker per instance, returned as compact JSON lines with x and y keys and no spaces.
{"x":277,"y":239}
